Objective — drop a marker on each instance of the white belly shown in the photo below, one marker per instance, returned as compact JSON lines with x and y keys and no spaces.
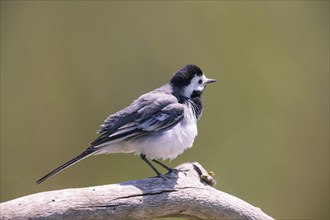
{"x":167,"y":144}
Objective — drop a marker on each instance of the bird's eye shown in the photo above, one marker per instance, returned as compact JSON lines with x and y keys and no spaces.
{"x":200,"y":81}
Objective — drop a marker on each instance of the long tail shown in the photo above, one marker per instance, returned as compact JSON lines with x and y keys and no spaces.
{"x":83,"y":155}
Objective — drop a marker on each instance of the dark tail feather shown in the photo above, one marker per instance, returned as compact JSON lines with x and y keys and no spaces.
{"x":85,"y":154}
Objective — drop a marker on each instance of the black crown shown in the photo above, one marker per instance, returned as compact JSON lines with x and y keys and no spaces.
{"x":183,"y":77}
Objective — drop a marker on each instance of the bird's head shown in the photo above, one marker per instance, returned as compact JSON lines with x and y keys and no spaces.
{"x":190,"y":81}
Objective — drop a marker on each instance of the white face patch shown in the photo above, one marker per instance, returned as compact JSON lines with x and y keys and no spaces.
{"x":197,"y":84}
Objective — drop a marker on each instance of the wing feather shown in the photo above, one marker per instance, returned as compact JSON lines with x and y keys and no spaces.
{"x":138,"y":120}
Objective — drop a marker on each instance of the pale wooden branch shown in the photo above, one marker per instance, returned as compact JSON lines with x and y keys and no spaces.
{"x":187,"y":192}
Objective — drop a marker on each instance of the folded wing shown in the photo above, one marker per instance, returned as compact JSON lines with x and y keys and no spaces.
{"x":155,"y":117}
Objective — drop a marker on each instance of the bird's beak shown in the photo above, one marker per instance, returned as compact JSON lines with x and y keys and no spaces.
{"x":210,"y":81}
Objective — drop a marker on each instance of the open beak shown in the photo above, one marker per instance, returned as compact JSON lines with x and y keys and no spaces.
{"x":210,"y":81}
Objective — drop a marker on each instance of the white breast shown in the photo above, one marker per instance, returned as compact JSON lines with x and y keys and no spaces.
{"x":170,"y":143}
{"x":167,"y":144}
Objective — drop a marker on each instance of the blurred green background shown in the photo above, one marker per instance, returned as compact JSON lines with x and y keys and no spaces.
{"x":265,"y":130}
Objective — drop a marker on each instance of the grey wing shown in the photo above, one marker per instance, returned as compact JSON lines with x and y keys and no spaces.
{"x":162,"y":119}
{"x":134,"y":118}
{"x":158,"y":120}
{"x":145,"y":105}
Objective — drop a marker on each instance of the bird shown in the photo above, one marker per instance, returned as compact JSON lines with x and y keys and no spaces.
{"x":160,"y":124}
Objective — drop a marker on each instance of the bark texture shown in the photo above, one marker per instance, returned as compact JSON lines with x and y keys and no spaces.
{"x":188,"y":192}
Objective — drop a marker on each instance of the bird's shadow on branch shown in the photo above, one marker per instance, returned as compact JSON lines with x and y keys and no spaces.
{"x":157,"y":185}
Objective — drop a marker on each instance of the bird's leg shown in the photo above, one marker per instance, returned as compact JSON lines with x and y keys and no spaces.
{"x":143,"y":156}
{"x":163,"y":165}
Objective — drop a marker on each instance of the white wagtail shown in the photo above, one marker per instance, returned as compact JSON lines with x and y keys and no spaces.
{"x":160,"y":124}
